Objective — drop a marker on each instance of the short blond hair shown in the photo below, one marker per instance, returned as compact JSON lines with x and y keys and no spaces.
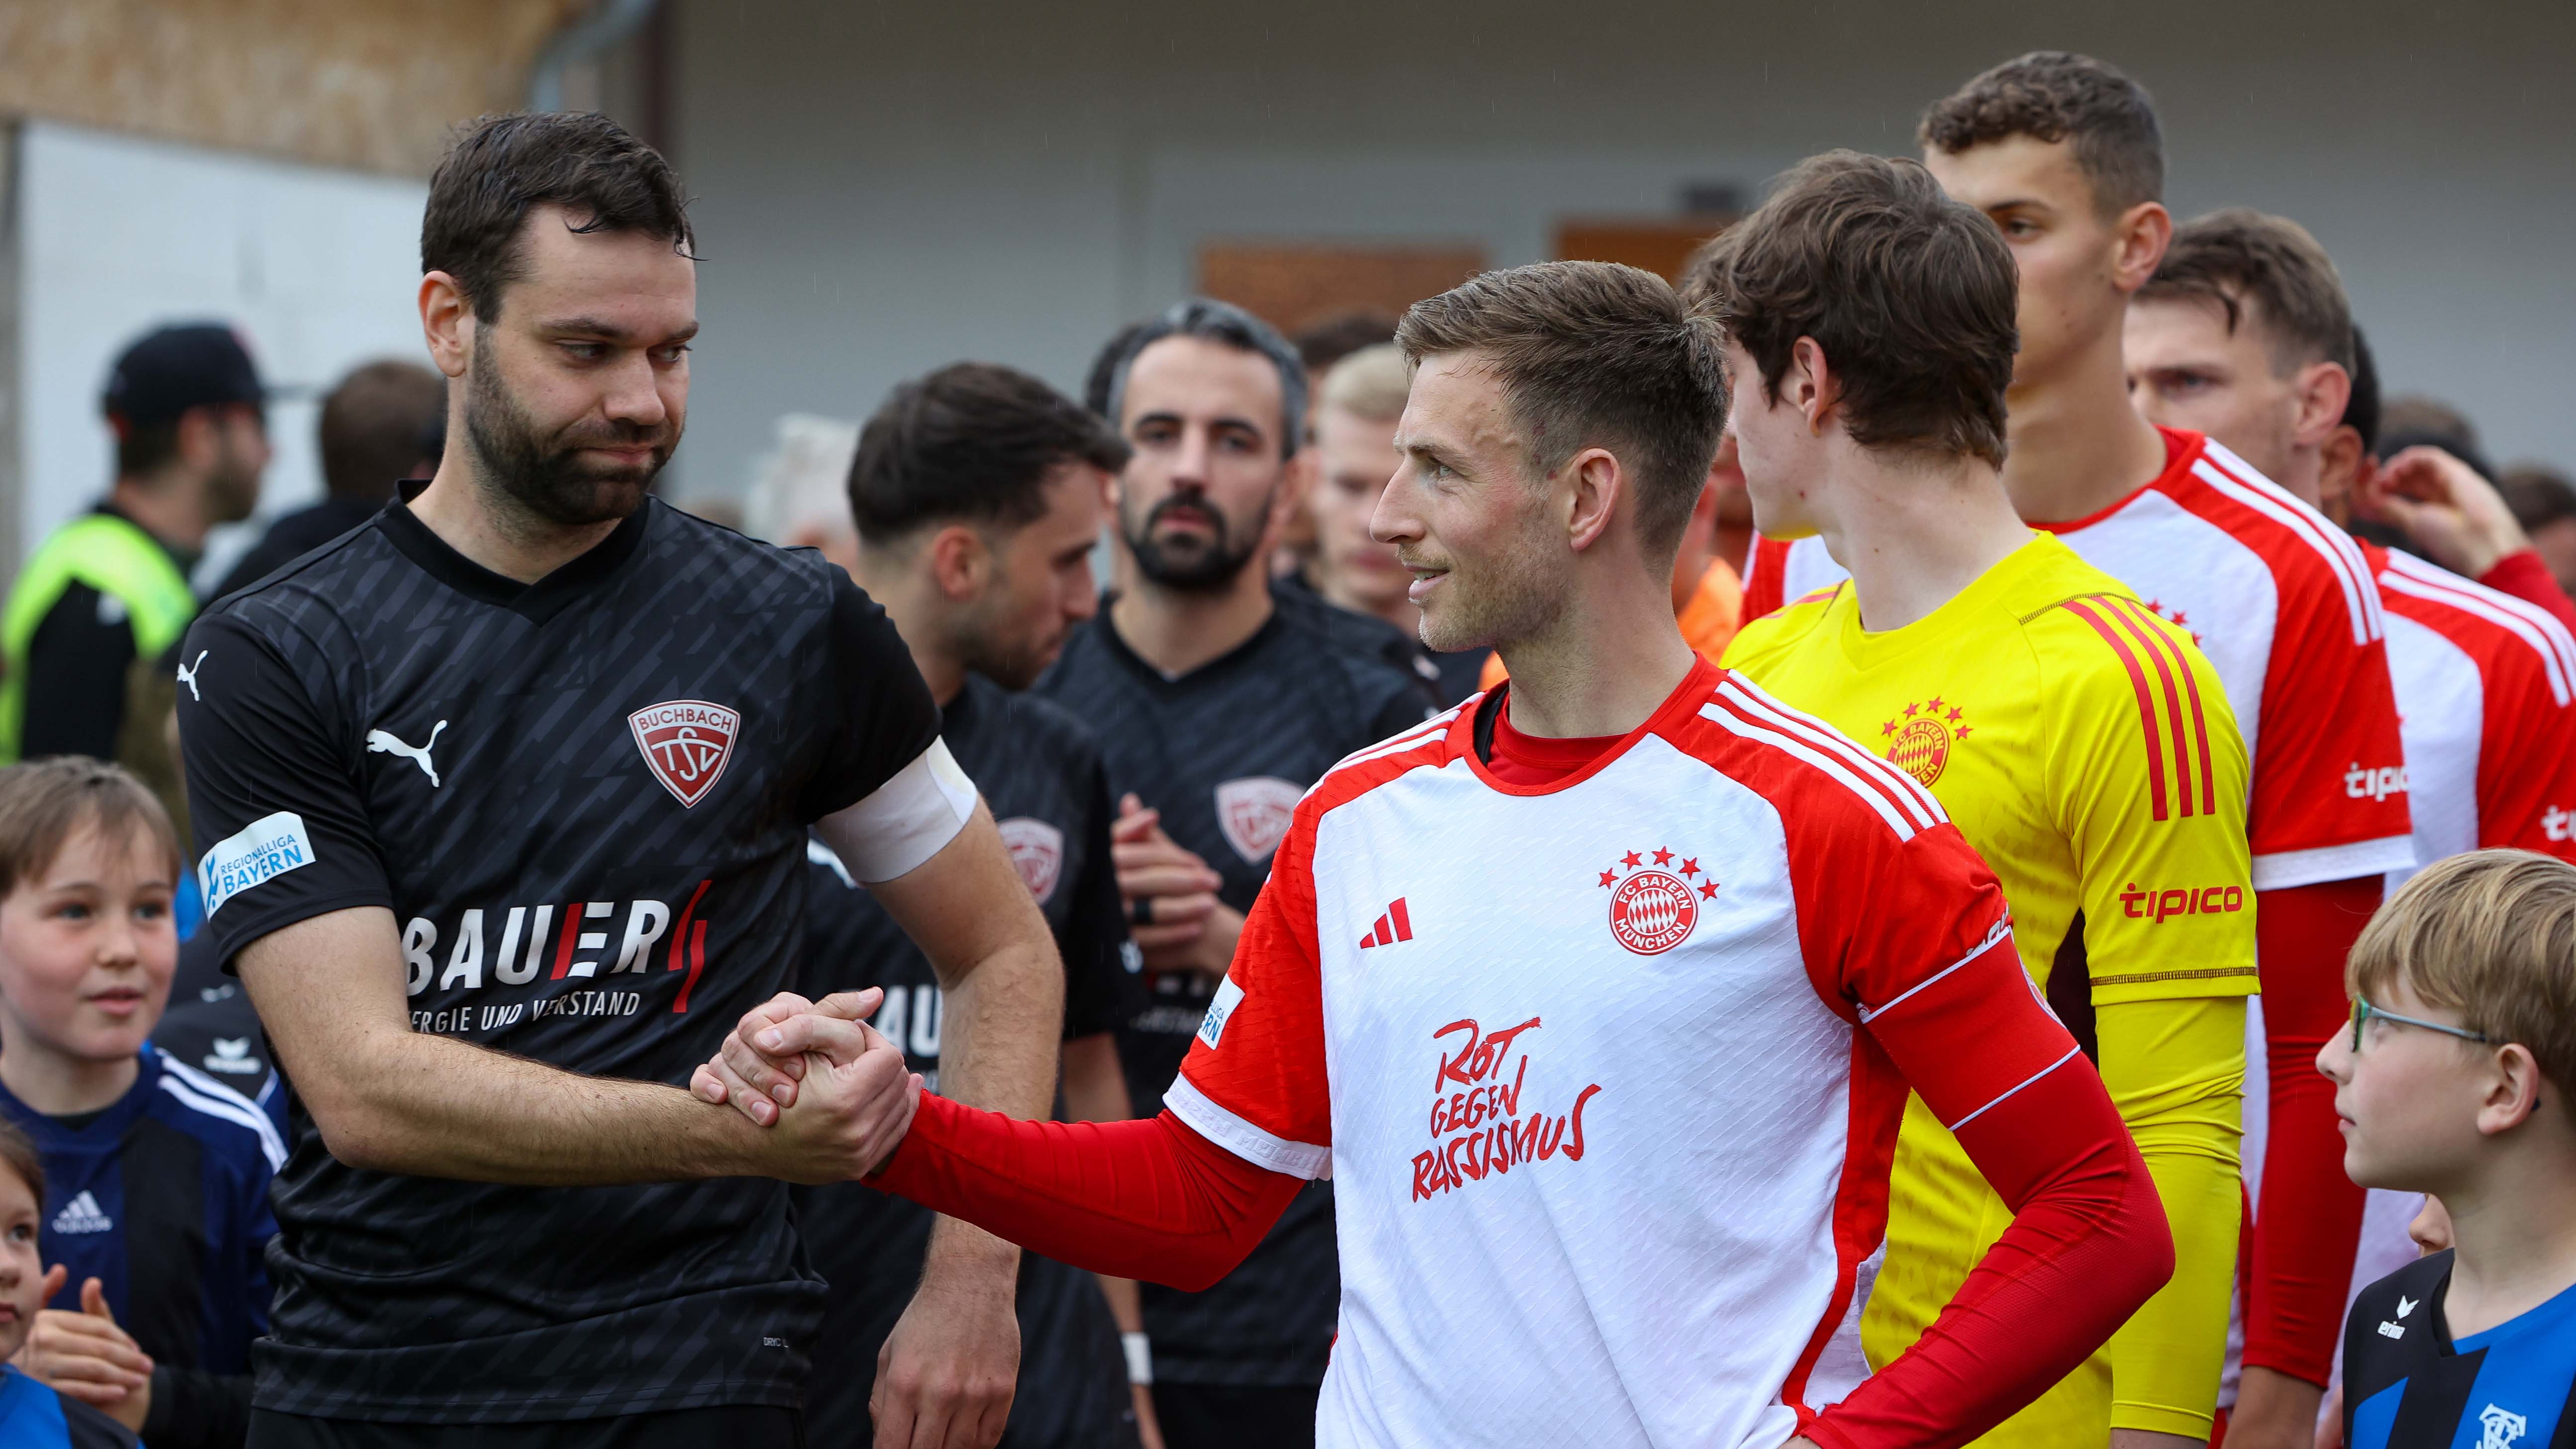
{"x":1370,"y":383}
{"x":2491,"y":935}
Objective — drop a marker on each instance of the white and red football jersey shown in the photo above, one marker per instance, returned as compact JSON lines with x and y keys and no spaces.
{"x":2282,"y":602}
{"x":1607,"y":1072}
{"x":2486,"y":699}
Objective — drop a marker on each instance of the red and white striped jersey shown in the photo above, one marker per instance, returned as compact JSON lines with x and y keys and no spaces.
{"x":2282,"y":602}
{"x":2486,"y":697}
{"x":1607,"y":1072}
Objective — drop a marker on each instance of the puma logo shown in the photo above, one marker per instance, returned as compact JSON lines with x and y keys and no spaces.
{"x":378,"y":742}
{"x":188,"y":675}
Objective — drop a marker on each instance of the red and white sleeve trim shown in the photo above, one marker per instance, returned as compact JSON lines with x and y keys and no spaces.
{"x":1745,"y":711}
{"x":2018,"y":1088}
{"x":2237,"y":479}
{"x":2285,"y":869}
{"x":1996,"y":935}
{"x":2533,"y":625}
{"x":1297,"y":1159}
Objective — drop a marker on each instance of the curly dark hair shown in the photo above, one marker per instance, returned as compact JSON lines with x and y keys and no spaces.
{"x":2052,"y":95}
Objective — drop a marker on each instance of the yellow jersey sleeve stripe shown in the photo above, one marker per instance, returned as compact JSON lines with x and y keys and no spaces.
{"x":2168,"y":655}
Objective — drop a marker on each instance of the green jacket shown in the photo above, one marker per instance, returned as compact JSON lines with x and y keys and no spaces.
{"x":112,"y":555}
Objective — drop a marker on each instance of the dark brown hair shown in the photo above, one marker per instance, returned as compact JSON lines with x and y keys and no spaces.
{"x":973,"y":441}
{"x":44,"y":802}
{"x":19,"y":1155}
{"x":373,"y":424}
{"x":1593,"y":354}
{"x":2240,"y":256}
{"x":500,"y":167}
{"x":1911,"y":295}
{"x":2052,"y":95}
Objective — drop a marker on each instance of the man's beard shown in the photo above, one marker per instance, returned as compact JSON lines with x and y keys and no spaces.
{"x":985,"y":649}
{"x":546,"y":475}
{"x":1192,"y":568}
{"x":232,"y":493}
{"x":1518,"y":595}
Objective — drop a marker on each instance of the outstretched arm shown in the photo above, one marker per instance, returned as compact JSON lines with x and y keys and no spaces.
{"x":1145,"y":1199}
{"x":329,"y":990}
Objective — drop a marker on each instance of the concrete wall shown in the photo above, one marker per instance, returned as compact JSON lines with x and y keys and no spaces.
{"x":113,"y":235}
{"x":883,"y":188}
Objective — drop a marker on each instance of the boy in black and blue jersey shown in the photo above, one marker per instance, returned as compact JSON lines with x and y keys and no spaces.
{"x":2453,"y":1081}
{"x":155,"y":1211}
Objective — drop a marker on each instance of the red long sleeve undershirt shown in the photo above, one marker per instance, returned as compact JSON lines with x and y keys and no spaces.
{"x":2309,"y":1219}
{"x":2522,"y":574}
{"x":1157,"y":1201}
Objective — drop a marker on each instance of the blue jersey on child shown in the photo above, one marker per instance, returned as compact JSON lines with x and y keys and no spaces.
{"x":163,"y":1197}
{"x":33,"y":1416}
{"x":2407,"y":1384}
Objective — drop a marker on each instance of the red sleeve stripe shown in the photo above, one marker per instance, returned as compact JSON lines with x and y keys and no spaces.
{"x":2232,"y":476}
{"x":2146,"y":707}
{"x":1763,"y":711}
{"x":1413,"y":738}
{"x":2533,"y":625}
{"x":2169,"y":665}
{"x":1724,"y":715}
{"x":1999,"y":933}
{"x":2025,"y":1085}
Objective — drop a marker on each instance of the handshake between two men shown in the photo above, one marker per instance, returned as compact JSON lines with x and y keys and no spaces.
{"x":818,"y":1068}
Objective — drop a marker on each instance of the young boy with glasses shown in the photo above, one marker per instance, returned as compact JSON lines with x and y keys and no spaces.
{"x":2453,"y":1081}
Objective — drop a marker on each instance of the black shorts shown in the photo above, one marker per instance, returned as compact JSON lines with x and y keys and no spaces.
{"x":741,"y":1426}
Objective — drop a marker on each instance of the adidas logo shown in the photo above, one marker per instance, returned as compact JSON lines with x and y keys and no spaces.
{"x":1392,"y":927}
{"x":81,"y":1215}
{"x":232,"y":1055}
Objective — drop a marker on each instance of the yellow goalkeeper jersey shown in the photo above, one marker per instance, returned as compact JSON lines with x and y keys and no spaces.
{"x":2086,"y":749}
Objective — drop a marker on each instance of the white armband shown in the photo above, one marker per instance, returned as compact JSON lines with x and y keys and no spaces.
{"x":1140,"y":1357}
{"x":906,"y":820}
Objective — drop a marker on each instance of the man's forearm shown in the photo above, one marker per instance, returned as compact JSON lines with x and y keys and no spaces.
{"x":437,"y":1107}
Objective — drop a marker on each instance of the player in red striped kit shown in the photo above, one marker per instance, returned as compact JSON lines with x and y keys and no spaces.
{"x":1599,"y":997}
{"x":2065,"y":154}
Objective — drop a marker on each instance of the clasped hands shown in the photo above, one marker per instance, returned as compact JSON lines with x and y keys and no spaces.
{"x":836,"y":1089}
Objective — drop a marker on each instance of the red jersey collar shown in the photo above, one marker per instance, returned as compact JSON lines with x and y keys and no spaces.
{"x":2182,"y":449}
{"x":1526,"y":764}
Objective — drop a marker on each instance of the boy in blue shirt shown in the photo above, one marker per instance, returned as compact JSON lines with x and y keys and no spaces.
{"x":33,"y":1416}
{"x":2453,"y":1081}
{"x":157,"y":1174}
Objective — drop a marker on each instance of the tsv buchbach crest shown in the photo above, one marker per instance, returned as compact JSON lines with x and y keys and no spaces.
{"x":686,"y":743}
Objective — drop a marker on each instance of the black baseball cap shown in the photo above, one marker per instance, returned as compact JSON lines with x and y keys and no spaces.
{"x":168,"y":371}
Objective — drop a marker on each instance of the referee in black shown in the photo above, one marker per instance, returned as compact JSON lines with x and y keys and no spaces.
{"x":502,"y":803}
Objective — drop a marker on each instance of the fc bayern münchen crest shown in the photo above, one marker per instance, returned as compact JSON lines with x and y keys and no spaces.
{"x":686,"y":743}
{"x":1655,"y":900}
{"x":1919,"y":741}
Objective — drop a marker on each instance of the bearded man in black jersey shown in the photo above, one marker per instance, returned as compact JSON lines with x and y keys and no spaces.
{"x":979,"y":492}
{"x":1217,"y":701}
{"x":503,"y":802}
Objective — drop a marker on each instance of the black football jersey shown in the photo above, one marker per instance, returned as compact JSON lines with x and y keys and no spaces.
{"x":585,"y":802}
{"x":1041,"y":776}
{"x":1225,"y":752}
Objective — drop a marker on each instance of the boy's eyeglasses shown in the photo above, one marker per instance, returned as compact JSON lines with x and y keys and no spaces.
{"x":2363,"y":1011}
